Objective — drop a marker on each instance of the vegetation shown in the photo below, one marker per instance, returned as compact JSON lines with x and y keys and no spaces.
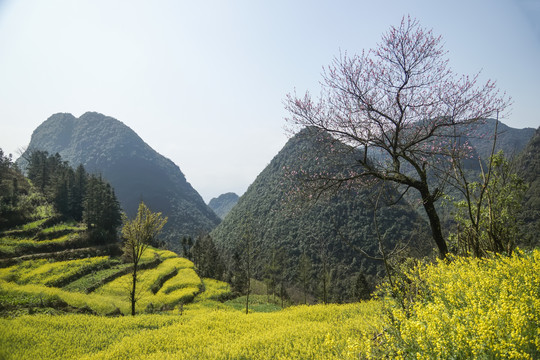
{"x":138,"y":234}
{"x":528,"y":168}
{"x":337,"y":229}
{"x":462,"y":308}
{"x":62,"y":278}
{"x":17,"y":198}
{"x":206,"y":256}
{"x":296,"y":333}
{"x":465,"y":308}
{"x":108,"y":147}
{"x":487,"y":217}
{"x":223,"y":204}
{"x":402,"y":111}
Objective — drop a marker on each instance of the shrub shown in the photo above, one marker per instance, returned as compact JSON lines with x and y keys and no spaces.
{"x":467,"y":308}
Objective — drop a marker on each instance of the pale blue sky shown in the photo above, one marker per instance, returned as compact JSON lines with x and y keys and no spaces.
{"x":203,"y":82}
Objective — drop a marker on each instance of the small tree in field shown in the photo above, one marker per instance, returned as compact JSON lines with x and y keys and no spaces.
{"x":402,"y":112}
{"x":138,"y":234}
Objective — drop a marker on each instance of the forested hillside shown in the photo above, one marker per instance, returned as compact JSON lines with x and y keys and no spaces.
{"x":528,"y":167}
{"x":510,"y":140}
{"x":107,"y":147}
{"x":325,"y":240}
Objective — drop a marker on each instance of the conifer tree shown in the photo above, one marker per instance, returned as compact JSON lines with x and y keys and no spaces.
{"x":101,"y":212}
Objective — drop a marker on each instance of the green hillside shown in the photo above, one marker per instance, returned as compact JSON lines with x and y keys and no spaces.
{"x":334,"y":232}
{"x":528,"y":167}
{"x":137,"y":172}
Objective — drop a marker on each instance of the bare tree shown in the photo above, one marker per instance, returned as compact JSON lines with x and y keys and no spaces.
{"x":402,"y":111}
{"x":138,"y":234}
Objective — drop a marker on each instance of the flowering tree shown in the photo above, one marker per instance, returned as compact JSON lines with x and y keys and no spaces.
{"x":402,"y":111}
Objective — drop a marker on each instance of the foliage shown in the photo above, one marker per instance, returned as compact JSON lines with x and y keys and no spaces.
{"x":214,"y":290}
{"x":40,"y":278}
{"x":11,"y":246}
{"x":138,"y":234}
{"x":185,"y":277}
{"x":75,"y":194}
{"x":207,"y":258}
{"x":466,"y":308}
{"x":50,"y":273}
{"x":528,"y":167}
{"x":88,"y":283}
{"x":16,"y":198}
{"x":101,"y":214}
{"x":343,"y":220}
{"x":62,"y":186}
{"x":487,"y":217}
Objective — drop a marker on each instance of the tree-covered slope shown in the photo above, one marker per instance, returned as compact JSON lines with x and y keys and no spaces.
{"x":528,"y":167}
{"x":268,"y":220}
{"x":137,"y":172}
{"x":223,"y":204}
{"x":510,"y":140}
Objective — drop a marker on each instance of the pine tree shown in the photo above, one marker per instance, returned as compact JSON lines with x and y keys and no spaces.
{"x":361,"y":288}
{"x":101,"y":213}
{"x":77,"y":192}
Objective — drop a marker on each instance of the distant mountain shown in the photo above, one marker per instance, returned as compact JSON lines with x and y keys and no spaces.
{"x":528,"y":167}
{"x":329,"y":231}
{"x":510,"y":140}
{"x":137,"y":172}
{"x":223,"y":204}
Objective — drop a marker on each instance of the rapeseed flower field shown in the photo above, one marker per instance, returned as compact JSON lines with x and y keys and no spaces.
{"x":462,"y":308}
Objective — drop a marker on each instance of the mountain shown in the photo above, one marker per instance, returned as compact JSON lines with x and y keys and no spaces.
{"x":510,"y":140}
{"x":528,"y":168}
{"x":137,"y":172}
{"x":329,"y":231}
{"x":223,"y":204}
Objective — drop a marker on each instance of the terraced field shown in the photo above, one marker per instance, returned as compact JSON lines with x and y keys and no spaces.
{"x":62,"y":274}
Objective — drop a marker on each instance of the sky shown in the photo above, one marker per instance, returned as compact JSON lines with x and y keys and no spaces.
{"x":203,"y":82}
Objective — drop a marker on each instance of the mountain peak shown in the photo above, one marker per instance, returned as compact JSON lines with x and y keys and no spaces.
{"x":223,"y":204}
{"x":137,"y":172}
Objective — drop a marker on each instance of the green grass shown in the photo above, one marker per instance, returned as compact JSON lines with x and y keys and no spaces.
{"x":12,"y":247}
{"x":96,"y":278}
{"x":257,"y":303}
{"x":33,"y":225}
{"x":16,"y":299}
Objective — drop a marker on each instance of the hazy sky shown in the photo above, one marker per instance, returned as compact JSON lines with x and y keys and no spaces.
{"x":203,"y":82}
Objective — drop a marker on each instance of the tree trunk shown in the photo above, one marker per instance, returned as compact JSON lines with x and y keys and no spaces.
{"x":247,"y":294}
{"x":435,"y":223}
{"x":133,"y":290}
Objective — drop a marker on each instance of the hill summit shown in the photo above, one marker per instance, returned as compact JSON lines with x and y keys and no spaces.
{"x":137,"y":172}
{"x":223,"y":204}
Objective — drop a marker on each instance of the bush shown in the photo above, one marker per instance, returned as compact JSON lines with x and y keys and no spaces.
{"x":467,"y":308}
